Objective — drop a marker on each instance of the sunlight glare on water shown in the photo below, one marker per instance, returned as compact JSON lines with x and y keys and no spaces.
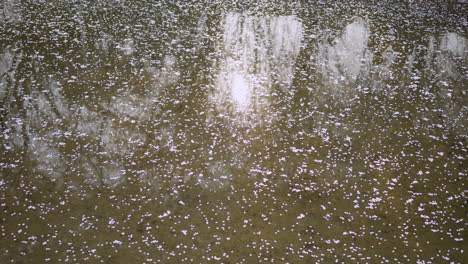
{"x":258,"y":52}
{"x":240,"y":90}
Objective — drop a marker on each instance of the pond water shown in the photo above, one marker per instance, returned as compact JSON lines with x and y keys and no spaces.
{"x":233,"y":131}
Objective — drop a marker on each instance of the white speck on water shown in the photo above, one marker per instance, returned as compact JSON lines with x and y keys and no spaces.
{"x":167,"y":213}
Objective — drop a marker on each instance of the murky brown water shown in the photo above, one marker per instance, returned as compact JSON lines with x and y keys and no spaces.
{"x":238,"y":132}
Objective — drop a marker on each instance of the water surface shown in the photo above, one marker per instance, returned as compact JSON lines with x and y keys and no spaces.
{"x":233,"y":132}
